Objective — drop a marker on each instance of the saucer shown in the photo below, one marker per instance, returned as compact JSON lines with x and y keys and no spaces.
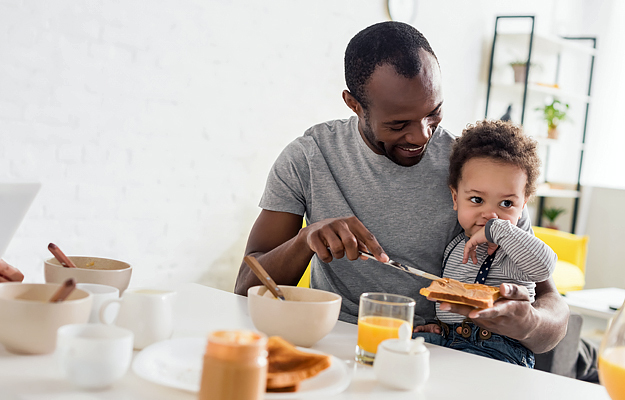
{"x":177,"y":363}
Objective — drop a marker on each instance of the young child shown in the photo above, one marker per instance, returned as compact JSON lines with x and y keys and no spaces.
{"x":492,"y":174}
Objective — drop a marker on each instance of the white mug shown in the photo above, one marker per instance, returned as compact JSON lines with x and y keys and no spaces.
{"x":148,"y":313}
{"x":93,"y":356}
{"x":100,"y":294}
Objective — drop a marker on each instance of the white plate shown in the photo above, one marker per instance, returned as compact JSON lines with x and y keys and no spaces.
{"x":178,"y":362}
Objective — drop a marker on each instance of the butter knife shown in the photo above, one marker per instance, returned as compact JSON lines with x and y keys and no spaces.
{"x":403,"y":267}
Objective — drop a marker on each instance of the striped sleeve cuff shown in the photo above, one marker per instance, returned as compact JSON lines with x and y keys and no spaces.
{"x":490,"y":222}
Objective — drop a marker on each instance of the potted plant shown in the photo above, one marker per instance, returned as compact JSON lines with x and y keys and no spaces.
{"x":551,"y":213}
{"x":520,"y":70}
{"x":554,"y":113}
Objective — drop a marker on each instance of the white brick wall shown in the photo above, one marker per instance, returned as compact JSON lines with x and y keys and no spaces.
{"x":152,"y":124}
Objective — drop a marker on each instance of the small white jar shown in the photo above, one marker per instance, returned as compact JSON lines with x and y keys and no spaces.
{"x":402,"y":363}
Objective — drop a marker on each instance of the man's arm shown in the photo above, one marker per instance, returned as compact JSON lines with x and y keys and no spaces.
{"x":539,"y":326}
{"x":277,"y":244}
{"x":284,"y":248}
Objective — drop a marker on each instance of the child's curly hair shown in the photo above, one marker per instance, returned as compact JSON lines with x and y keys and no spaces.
{"x":500,"y":141}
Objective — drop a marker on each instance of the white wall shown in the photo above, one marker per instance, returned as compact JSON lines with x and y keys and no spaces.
{"x":604,"y":225}
{"x":152,"y":124}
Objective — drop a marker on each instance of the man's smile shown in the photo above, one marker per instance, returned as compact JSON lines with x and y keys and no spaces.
{"x":410,"y":150}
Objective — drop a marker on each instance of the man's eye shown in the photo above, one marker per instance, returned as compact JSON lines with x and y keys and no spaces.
{"x":436,"y":114}
{"x":397,"y":128}
{"x":476,"y":200}
{"x":506,"y":203}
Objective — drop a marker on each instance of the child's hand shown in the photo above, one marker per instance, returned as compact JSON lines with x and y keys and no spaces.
{"x":433,"y":328}
{"x":478,"y":238}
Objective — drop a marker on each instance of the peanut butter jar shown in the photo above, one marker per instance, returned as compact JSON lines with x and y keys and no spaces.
{"x":235,"y":366}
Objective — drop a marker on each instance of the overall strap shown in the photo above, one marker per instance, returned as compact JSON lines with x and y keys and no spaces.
{"x":485,"y":268}
{"x":449,"y":254}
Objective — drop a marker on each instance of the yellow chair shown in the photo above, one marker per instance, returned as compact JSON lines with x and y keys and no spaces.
{"x":305,"y":279}
{"x":571,"y":249}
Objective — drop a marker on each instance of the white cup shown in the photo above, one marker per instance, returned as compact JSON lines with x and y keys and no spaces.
{"x":148,"y":313}
{"x":93,"y":356}
{"x":100,"y":294}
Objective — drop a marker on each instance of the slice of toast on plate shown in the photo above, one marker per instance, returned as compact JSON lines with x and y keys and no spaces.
{"x":288,"y":366}
{"x":453,"y":291}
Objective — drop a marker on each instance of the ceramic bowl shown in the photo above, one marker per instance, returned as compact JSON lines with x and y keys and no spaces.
{"x":304,"y":319}
{"x":28,"y":321}
{"x":103,"y":271}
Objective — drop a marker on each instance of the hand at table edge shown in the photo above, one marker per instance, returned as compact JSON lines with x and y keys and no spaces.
{"x":8,"y":273}
{"x":539,"y":326}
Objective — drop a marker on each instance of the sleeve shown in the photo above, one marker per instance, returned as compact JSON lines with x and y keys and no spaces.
{"x":529,"y":258}
{"x":525,"y":223}
{"x":288,"y":182}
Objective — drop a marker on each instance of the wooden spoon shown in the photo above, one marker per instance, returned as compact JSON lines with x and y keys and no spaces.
{"x":66,"y":288}
{"x":59,"y":255}
{"x":263,"y":276}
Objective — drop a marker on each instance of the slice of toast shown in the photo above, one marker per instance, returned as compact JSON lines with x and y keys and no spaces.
{"x":288,"y":366}
{"x":471,"y":294}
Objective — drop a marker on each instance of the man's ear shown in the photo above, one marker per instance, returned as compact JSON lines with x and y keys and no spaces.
{"x":352,"y":103}
{"x":454,"y":197}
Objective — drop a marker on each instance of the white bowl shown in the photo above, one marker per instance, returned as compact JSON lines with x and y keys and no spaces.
{"x":304,"y":319}
{"x":28,"y":321}
{"x":103,"y":271}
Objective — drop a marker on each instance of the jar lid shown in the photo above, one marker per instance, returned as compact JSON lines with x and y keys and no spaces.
{"x":237,"y":344}
{"x":404,"y":344}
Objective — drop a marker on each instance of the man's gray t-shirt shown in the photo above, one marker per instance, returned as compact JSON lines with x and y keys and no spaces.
{"x":330,"y":172}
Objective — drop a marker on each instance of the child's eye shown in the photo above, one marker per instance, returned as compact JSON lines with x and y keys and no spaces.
{"x":506,"y":203}
{"x":476,"y":200}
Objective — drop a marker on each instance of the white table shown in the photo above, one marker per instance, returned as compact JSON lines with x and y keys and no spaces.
{"x":200,"y":309}
{"x":599,"y":303}
{"x":596,"y":306}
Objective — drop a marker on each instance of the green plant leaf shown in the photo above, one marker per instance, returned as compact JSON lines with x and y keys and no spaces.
{"x":552,"y":213}
{"x":554,"y":113}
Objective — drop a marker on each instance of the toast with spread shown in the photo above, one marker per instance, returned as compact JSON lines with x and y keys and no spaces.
{"x":288,"y":366}
{"x":453,"y":291}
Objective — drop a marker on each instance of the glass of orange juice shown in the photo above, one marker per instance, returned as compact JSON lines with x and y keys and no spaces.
{"x":379,"y":317}
{"x":612,"y":357}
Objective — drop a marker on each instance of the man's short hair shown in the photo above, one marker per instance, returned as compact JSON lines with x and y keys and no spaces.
{"x":499,"y":141}
{"x":391,"y":42}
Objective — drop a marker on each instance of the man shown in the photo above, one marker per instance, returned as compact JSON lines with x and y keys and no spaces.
{"x":377,"y":182}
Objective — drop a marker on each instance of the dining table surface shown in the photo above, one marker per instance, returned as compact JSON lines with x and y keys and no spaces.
{"x":200,"y":309}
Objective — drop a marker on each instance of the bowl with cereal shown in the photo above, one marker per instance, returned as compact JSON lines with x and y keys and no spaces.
{"x":103,"y":271}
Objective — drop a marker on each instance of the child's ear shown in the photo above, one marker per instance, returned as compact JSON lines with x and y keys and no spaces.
{"x":454,"y":197}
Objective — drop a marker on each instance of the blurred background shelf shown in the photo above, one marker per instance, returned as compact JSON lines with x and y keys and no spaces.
{"x":536,"y":88}
{"x":562,"y":193}
{"x":556,"y":68}
{"x":547,"y":43}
